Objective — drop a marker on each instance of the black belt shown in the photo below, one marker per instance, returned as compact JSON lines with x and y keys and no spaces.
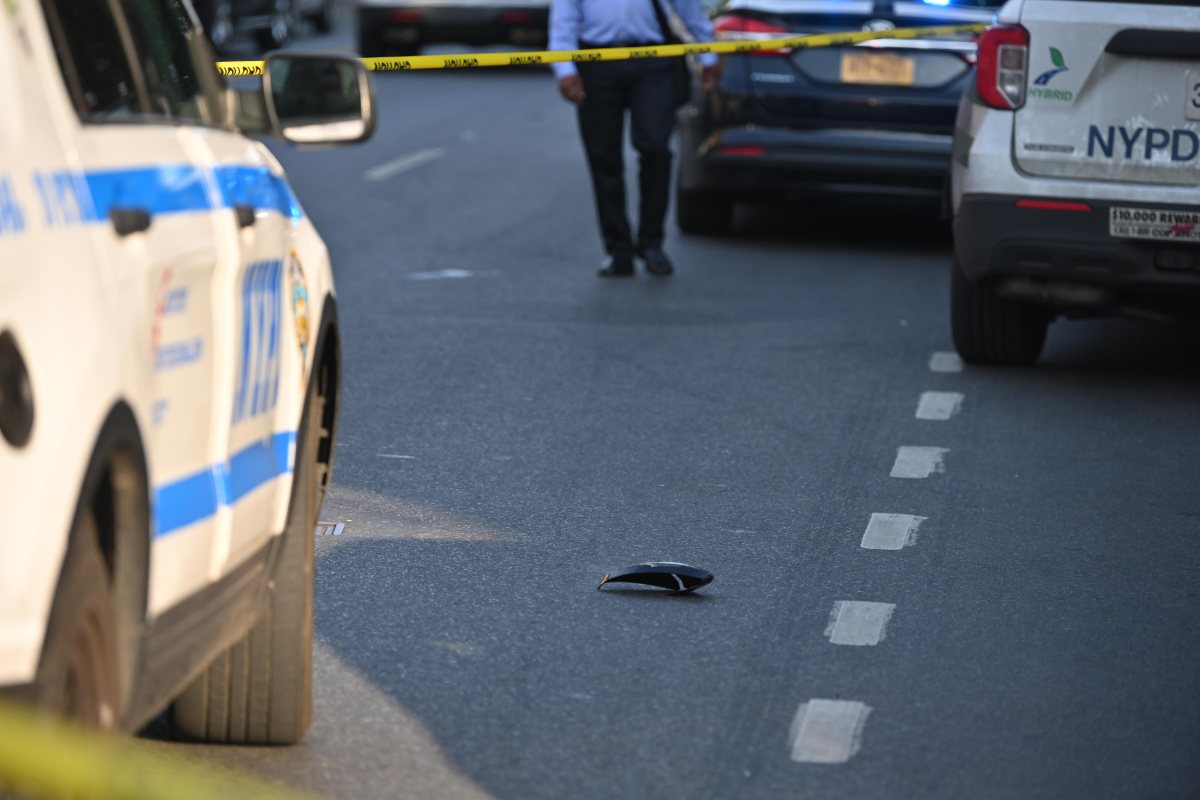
{"x":598,"y":46}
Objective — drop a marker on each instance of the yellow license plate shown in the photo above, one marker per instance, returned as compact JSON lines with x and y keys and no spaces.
{"x":878,"y":68}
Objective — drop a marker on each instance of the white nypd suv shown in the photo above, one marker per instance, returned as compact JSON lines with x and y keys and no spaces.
{"x":168,"y":370}
{"x":1076,"y":175}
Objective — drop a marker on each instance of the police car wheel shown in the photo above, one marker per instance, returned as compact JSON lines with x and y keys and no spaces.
{"x":78,"y":673}
{"x":260,"y":690}
{"x":989,"y":329}
{"x":703,"y":212}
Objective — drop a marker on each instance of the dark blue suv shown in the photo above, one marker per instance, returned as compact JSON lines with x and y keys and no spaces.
{"x":876,"y":118}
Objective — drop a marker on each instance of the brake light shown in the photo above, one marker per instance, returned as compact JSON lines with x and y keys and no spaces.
{"x":1053,"y":205}
{"x":737,"y":28}
{"x":516,"y":17}
{"x":734,"y":150}
{"x":1003,"y":67}
{"x":405,"y":16}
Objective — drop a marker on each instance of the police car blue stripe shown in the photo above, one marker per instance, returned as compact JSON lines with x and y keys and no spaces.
{"x":167,"y":189}
{"x":197,"y":497}
{"x":260,"y":463}
{"x":179,"y":504}
{"x":74,"y":198}
{"x":258,"y":187}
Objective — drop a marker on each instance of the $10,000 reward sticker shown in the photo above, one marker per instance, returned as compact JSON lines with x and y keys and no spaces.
{"x":1162,"y":225}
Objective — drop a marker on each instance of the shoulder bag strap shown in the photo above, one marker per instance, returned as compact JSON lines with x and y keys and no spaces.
{"x":669,"y":36}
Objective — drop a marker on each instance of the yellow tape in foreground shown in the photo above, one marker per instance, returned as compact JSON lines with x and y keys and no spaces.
{"x":45,"y":759}
{"x":474,"y":60}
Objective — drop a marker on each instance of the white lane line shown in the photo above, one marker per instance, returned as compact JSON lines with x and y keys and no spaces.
{"x":827,"y":731}
{"x":891,"y":531}
{"x":451,"y":275}
{"x":939,"y":405}
{"x":403,"y":164}
{"x":395,"y":455}
{"x":945,"y":362}
{"x":918,"y":462}
{"x":858,"y":623}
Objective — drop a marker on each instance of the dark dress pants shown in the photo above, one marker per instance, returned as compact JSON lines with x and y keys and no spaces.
{"x":644,"y":88}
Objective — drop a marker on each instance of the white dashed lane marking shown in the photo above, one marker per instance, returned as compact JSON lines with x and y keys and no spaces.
{"x":939,"y":405}
{"x":858,"y":623}
{"x":451,"y":275}
{"x":403,"y":164}
{"x":827,"y":731}
{"x":891,"y":531}
{"x":945,"y":362}
{"x":918,"y":462}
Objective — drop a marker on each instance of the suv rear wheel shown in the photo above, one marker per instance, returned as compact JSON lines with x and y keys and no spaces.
{"x":989,"y":329}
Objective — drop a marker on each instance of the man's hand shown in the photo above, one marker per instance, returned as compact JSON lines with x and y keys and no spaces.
{"x":709,"y":77}
{"x":571,"y":88}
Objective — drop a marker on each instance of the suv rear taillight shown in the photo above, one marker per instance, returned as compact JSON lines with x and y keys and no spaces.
{"x":735,"y":27}
{"x":1003,"y":66}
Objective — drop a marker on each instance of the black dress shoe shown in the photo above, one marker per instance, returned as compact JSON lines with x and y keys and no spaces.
{"x":657,"y":262}
{"x":617,"y":267}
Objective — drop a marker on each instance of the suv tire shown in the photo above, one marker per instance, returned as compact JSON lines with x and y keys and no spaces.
{"x":260,"y":690}
{"x":988,"y":329}
{"x":78,"y":675}
{"x":702,"y":212}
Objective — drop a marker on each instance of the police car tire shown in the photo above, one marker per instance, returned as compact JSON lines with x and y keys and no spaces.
{"x":260,"y":690}
{"x":989,"y":329}
{"x":78,"y":675}
{"x":703,"y":213}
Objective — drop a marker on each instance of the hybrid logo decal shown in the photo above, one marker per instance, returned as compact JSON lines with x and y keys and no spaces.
{"x":257,"y":390}
{"x":1060,"y":65}
{"x":1151,"y":144}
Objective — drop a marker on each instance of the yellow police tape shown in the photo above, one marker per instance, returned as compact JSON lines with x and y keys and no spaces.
{"x":474,"y":60}
{"x":47,"y":759}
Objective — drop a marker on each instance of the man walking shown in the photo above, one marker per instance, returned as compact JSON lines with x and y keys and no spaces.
{"x":604,"y":90}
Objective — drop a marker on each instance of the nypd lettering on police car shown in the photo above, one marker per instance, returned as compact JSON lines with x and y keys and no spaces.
{"x":1179,"y":145}
{"x":12,"y":215}
{"x":257,"y":390}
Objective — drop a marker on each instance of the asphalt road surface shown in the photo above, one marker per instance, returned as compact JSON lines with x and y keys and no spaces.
{"x":514,"y":426}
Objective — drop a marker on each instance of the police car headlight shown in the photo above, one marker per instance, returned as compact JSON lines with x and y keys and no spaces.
{"x":16,"y":393}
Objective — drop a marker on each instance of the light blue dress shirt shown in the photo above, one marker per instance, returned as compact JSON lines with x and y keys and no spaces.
{"x":611,"y":21}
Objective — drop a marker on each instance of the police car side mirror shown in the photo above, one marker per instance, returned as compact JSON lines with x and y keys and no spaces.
{"x":318,"y":99}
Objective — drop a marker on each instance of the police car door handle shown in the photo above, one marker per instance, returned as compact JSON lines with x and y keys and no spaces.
{"x":245,"y":214}
{"x":128,"y":221}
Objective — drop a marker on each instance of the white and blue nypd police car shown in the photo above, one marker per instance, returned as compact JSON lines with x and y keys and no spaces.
{"x":168,"y":370}
{"x":1076,"y":178}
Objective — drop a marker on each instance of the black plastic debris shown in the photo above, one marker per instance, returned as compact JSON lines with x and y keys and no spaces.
{"x":664,"y":574}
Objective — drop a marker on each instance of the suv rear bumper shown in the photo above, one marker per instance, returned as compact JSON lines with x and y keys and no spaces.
{"x":994,"y":237}
{"x":755,"y":159}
